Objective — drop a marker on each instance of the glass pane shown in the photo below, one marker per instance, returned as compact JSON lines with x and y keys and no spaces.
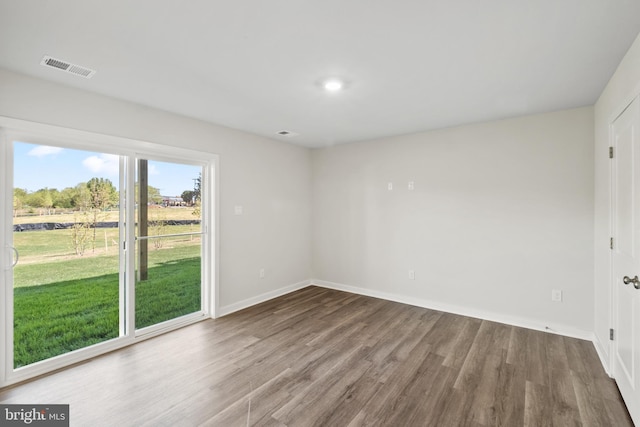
{"x":168,"y":250}
{"x":65,"y":221}
{"x":172,"y":287}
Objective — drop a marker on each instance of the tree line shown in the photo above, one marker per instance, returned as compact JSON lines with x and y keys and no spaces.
{"x":97,"y":193}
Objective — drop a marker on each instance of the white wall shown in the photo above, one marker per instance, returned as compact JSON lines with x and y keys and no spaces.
{"x":501,"y":214}
{"x":621,"y":89}
{"x":502,"y":211}
{"x":270,"y":179}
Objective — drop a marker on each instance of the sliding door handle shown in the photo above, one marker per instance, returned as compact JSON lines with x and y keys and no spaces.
{"x":15,"y":262}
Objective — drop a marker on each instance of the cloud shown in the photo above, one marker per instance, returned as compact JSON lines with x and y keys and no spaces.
{"x":153,"y":170}
{"x":104,"y":163}
{"x":44,"y":150}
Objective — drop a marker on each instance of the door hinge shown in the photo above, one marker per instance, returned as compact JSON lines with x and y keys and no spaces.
{"x":611,"y":243}
{"x":611,"y":152}
{"x":611,"y":334}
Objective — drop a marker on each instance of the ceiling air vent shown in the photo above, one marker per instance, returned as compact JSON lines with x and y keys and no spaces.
{"x":68,"y":67}
{"x":287,"y":133}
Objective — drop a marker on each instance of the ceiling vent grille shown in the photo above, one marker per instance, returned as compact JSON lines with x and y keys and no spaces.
{"x":68,"y":67}
{"x":286,"y":133}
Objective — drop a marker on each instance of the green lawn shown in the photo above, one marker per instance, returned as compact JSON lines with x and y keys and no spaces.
{"x":55,"y":318}
{"x":69,"y":268}
{"x":173,"y":289}
{"x":55,"y":245}
{"x":64,"y":302}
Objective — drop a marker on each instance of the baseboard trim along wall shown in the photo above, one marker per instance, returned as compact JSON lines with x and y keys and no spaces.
{"x":463,"y":311}
{"x":231,"y":308}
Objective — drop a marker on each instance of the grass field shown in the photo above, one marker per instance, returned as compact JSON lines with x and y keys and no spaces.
{"x":52,"y":251}
{"x":63,"y":302}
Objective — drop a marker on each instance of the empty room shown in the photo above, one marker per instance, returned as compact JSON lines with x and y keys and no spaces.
{"x":325,"y":213}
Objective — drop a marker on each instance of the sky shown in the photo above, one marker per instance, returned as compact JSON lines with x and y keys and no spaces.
{"x":40,"y":166}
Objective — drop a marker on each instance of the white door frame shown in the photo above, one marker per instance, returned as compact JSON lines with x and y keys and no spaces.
{"x":613,"y":317}
{"x":611,"y":139}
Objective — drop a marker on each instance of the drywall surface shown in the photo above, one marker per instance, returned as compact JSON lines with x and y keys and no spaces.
{"x":500,"y":215}
{"x":269,"y":179}
{"x":621,"y":89}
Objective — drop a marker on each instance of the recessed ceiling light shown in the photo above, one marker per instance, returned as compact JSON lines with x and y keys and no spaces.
{"x":333,"y":85}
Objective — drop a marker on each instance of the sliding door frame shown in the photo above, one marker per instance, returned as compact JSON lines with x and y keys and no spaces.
{"x":206,"y":250}
{"x":6,"y":260}
{"x":128,"y":150}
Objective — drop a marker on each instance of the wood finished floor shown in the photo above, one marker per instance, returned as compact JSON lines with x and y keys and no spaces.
{"x":329,"y":358}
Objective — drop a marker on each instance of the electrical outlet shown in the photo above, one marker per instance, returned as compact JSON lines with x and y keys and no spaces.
{"x":262,"y":273}
{"x":412,"y":275}
{"x":556,"y":295}
{"x":238,"y":210}
{"x":411,"y":186}
{"x":390,"y":186}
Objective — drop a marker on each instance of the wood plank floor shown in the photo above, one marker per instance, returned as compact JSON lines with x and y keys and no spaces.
{"x":328,"y":358}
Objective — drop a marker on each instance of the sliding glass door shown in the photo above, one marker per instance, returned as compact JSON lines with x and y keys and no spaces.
{"x":66,"y":237}
{"x":105,"y":249}
{"x":168,"y":241}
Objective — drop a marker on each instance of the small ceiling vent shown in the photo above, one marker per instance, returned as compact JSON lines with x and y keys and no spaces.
{"x":68,"y":67}
{"x":286,"y":133}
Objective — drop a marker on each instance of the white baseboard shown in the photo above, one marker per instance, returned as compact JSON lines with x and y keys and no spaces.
{"x":228,"y":309}
{"x":464,"y":311}
{"x":603,"y":353}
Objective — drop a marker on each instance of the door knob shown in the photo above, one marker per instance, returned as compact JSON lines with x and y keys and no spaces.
{"x":636,"y":282}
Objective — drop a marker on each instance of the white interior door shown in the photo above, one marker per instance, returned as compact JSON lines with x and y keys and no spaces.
{"x":626,"y":256}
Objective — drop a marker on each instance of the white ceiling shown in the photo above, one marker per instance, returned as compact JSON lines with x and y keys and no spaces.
{"x":256,"y":65}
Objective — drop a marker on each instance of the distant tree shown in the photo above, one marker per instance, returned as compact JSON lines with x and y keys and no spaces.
{"x":188,"y":196}
{"x":158,"y":227}
{"x":40,"y":199}
{"x":55,"y":194}
{"x":64,"y":199}
{"x":34,"y":199}
{"x":47,"y":200}
{"x":81,"y":199}
{"x":80,"y":232}
{"x":197,"y":186}
{"x":154,"y":195}
{"x":19,"y":200}
{"x":102,"y":195}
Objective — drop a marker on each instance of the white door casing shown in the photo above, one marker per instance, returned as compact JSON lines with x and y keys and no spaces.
{"x":626,"y":255}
